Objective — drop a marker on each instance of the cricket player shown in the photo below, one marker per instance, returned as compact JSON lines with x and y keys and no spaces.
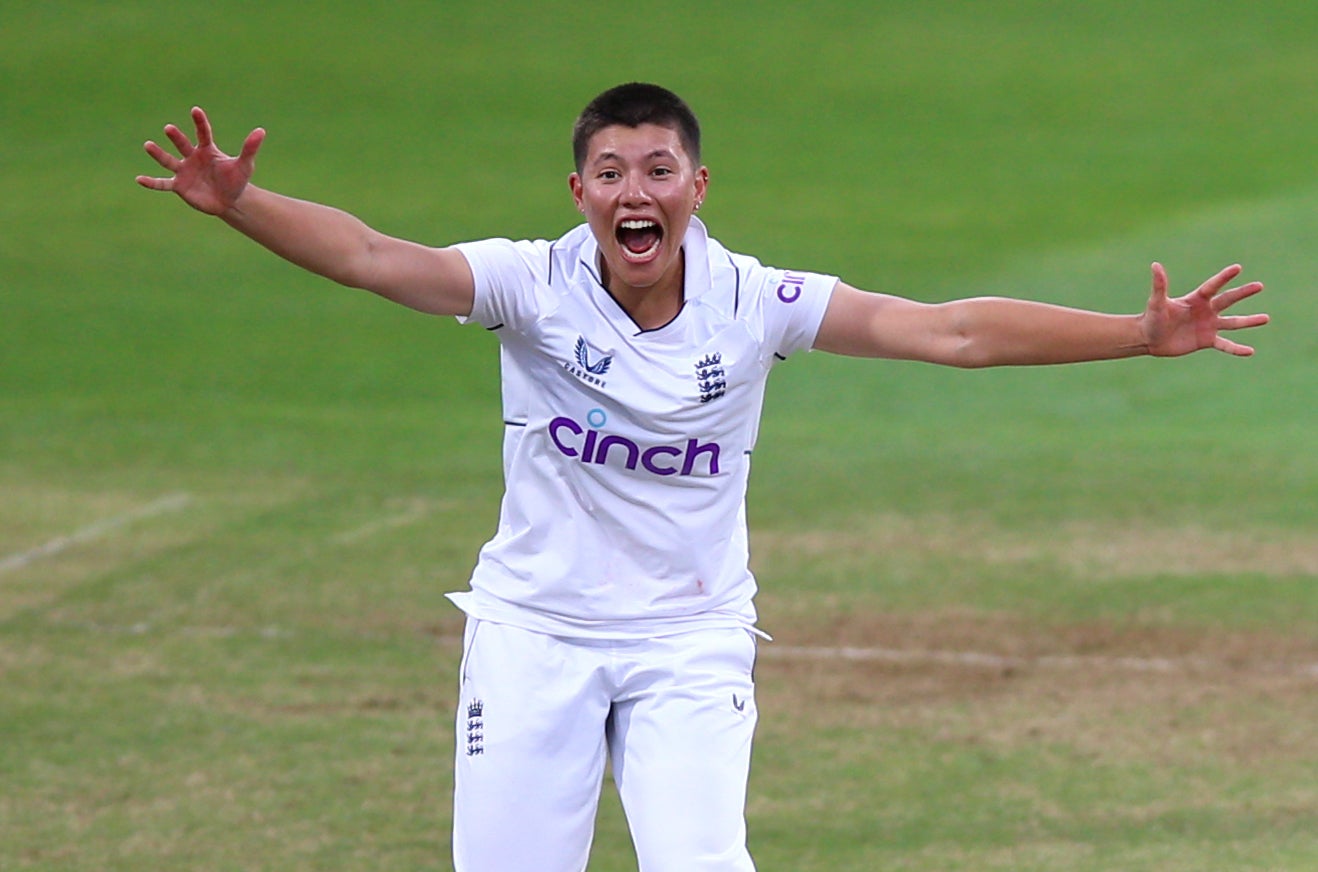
{"x":611,"y":615}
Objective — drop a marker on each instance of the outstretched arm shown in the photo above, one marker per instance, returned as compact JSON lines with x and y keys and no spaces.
{"x":997,"y":331}
{"x":322,"y":239}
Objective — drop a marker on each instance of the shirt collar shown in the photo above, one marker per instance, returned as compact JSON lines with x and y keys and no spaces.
{"x":695,"y":245}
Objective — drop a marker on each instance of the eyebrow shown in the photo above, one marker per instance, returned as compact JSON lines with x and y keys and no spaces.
{"x":606,"y":156}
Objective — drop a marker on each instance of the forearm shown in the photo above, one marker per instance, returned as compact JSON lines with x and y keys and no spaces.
{"x":999,"y":331}
{"x":325,"y":240}
{"x":334,"y":244}
{"x":996,"y":331}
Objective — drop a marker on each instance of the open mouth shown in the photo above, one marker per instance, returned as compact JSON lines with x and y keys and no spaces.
{"x":639,"y":238}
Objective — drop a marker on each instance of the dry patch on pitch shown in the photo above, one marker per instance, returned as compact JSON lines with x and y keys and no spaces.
{"x":1164,"y":695}
{"x":1128,"y":689}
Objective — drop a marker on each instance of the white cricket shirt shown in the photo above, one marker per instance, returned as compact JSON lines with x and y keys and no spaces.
{"x":627,"y":451}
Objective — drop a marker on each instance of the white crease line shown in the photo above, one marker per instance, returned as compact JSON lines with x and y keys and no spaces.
{"x":779,"y":651}
{"x":980,"y":660}
{"x":60,"y":544}
{"x":142,"y":628}
{"x":367,"y":530}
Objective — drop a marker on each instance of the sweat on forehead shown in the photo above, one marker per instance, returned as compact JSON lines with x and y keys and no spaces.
{"x":632,"y":105}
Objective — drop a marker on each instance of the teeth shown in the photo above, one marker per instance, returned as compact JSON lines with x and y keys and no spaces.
{"x":637,"y":225}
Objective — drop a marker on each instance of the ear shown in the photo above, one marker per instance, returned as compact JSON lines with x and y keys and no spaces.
{"x":578,"y":191}
{"x":702,"y":185}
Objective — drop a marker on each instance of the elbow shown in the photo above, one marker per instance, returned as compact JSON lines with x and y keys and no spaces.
{"x":974,"y":336}
{"x":968,"y":354}
{"x":963,"y":344}
{"x":361,"y":268}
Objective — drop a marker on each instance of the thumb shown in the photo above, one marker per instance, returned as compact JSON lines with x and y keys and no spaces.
{"x":1159,"y":293}
{"x":251,"y":144}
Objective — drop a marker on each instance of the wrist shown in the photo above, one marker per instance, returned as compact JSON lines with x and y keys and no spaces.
{"x":237,"y":212}
{"x":1141,"y":340}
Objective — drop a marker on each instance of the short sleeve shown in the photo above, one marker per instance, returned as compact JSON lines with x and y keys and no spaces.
{"x":792,"y":308}
{"x":507,"y":277}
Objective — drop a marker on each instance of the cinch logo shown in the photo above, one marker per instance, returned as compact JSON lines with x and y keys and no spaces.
{"x":790,"y":289}
{"x":589,"y":445}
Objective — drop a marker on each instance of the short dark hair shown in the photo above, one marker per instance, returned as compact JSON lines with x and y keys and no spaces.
{"x":632,"y":105}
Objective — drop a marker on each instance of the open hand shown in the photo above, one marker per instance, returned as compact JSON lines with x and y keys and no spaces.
{"x":206,"y":178}
{"x":1173,"y":327}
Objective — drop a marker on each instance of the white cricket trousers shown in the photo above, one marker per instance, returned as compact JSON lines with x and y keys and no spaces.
{"x":539,"y":713}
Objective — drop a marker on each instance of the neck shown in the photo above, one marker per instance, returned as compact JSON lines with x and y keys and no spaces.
{"x":650,"y":307}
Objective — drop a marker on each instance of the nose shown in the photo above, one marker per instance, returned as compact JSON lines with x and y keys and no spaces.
{"x":635,"y":192}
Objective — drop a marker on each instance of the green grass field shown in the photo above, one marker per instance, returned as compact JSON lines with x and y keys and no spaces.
{"x":1083,"y":601}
